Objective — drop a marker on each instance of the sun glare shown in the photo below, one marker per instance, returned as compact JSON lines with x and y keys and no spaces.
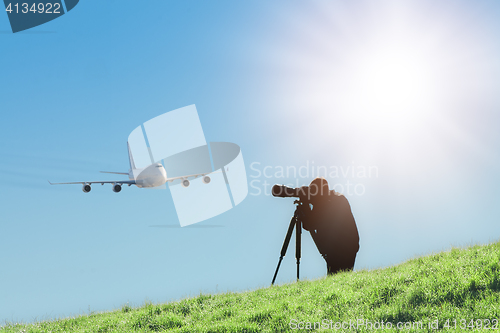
{"x":379,"y":79}
{"x":391,"y":89}
{"x":393,"y":80}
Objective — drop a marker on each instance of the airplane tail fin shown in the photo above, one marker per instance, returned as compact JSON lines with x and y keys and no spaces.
{"x":130,"y":158}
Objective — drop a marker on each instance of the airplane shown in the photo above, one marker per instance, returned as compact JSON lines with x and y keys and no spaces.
{"x":153,"y":175}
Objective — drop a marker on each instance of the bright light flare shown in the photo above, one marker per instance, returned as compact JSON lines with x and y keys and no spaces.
{"x":380,"y":74}
{"x":390,"y":92}
{"x":385,"y":81}
{"x":393,"y":79}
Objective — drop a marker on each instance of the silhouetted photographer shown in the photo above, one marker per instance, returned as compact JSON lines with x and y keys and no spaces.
{"x":330,"y":222}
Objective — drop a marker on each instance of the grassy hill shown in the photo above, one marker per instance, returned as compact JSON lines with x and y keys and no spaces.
{"x":458,"y":288}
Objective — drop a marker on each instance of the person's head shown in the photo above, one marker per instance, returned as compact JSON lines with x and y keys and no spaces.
{"x":318,"y":188}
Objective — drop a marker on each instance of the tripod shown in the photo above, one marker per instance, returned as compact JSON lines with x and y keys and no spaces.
{"x":297,"y":223}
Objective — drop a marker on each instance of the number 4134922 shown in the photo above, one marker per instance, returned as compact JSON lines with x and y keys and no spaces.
{"x":472,"y":324}
{"x":40,"y":8}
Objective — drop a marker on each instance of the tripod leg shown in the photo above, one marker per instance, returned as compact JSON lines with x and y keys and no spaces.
{"x":285,"y":246}
{"x":298,"y":234}
{"x":276,"y":272}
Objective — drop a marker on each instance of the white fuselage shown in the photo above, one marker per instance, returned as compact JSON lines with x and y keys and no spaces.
{"x":152,"y":176}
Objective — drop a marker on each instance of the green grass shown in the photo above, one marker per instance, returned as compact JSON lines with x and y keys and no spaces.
{"x":460,"y":284}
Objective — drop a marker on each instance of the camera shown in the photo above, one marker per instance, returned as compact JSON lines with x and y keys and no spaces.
{"x":283,"y":191}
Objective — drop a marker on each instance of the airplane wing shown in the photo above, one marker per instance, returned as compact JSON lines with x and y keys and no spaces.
{"x":191,"y":176}
{"x":115,"y":173}
{"x":129,"y":182}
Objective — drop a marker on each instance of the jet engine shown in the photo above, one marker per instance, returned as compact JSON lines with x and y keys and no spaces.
{"x":185,"y":183}
{"x":86,"y":188}
{"x":117,"y":188}
{"x":206,"y":180}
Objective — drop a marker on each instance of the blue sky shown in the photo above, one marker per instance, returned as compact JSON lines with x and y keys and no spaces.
{"x":408,"y":88}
